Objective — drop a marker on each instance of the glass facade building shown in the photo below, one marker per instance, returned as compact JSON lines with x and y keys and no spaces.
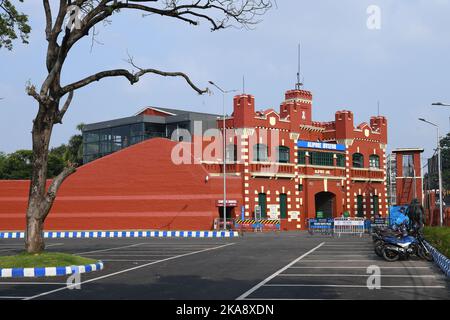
{"x":103,"y":138}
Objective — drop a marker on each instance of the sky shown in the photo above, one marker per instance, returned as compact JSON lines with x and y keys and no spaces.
{"x":404,"y":65}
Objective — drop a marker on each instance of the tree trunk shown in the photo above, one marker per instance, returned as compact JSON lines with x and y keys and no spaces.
{"x":34,"y":235}
{"x":38,"y":206}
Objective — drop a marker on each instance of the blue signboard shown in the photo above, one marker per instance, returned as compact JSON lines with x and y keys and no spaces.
{"x":320,"y":145}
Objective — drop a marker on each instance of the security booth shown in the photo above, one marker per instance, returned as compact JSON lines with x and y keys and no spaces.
{"x":229,"y":214}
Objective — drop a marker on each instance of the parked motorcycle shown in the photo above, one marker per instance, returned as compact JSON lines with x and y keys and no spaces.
{"x":405,"y":246}
{"x":379,"y":233}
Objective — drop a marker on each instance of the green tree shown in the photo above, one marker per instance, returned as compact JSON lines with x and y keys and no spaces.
{"x":2,"y":164}
{"x":55,"y":165}
{"x":17,"y":165}
{"x":74,"y":152}
{"x":445,"y":157}
{"x":13,"y":24}
{"x":431,"y":180}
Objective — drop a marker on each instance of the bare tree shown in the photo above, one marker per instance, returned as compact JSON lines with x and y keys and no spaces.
{"x":61,"y":38}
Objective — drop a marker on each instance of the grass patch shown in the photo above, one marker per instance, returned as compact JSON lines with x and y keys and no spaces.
{"x":439,"y":237}
{"x":45,"y":259}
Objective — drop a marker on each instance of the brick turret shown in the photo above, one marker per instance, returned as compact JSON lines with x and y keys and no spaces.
{"x":344,"y":124}
{"x":243,"y":110}
{"x":379,"y":124}
{"x":298,"y":106}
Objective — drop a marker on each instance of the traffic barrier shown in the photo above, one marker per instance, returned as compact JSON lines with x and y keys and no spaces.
{"x":255,"y":225}
{"x":442,"y":261}
{"x":49,"y":271}
{"x":350,"y":226}
{"x":320,"y":226}
{"x":124,"y":234}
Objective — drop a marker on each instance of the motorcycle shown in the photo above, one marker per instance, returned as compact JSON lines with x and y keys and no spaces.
{"x":377,"y":236}
{"x":404,"y":246}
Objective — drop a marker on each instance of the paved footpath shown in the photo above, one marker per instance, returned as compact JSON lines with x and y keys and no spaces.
{"x":290,"y":265}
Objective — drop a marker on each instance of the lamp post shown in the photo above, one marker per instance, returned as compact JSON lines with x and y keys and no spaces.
{"x":439,"y":171}
{"x":224,"y":92}
{"x":440,"y":104}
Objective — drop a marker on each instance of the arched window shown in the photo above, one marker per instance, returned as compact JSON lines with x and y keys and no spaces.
{"x":283,"y":206}
{"x":340,"y":160}
{"x":375,"y":204}
{"x":231,"y":153}
{"x":262,"y":203}
{"x":301,"y":156}
{"x":374,"y":161}
{"x":358,"y":160}
{"x":260,"y":152}
{"x":359,"y":206}
{"x":283,"y":154}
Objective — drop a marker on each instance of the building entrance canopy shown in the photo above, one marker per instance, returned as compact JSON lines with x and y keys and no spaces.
{"x":229,"y":203}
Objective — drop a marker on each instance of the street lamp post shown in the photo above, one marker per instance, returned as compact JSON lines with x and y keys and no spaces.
{"x":440,"y":104}
{"x":224,"y":92}
{"x":439,"y":171}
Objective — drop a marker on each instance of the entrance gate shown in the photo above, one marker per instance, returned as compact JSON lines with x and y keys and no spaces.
{"x":325,"y":203}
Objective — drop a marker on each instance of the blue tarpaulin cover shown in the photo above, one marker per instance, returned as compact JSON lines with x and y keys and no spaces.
{"x":397,"y":217}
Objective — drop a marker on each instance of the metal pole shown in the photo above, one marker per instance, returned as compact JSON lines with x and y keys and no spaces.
{"x":390,"y":183}
{"x":440,"y":180}
{"x":224,"y":92}
{"x":224,"y":167}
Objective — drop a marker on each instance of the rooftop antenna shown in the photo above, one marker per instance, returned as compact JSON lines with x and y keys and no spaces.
{"x":243,"y":84}
{"x":299,"y":84}
{"x":378,"y":104}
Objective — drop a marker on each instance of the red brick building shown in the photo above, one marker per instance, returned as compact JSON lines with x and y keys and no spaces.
{"x":328,"y":167}
{"x":292,"y":167}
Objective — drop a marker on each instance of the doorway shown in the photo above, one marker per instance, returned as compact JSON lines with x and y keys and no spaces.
{"x":325,"y":204}
{"x":229,"y":212}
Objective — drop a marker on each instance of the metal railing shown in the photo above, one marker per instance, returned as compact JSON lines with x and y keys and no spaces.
{"x":349,"y":226}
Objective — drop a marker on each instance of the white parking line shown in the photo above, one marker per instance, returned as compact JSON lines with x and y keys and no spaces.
{"x":175,"y":250}
{"x":343,"y":252}
{"x":353,"y":275}
{"x":125,"y":260}
{"x":262,"y":283}
{"x":290,"y":299}
{"x":338,"y":260}
{"x":348,"y":286}
{"x":32,"y":283}
{"x":110,"y":249}
{"x":127,"y":270}
{"x":18,"y":247}
{"x":8,"y":297}
{"x":129,"y":255}
{"x":340,"y":255}
{"x":54,"y":244}
{"x":11,"y":245}
{"x":359,"y":267}
{"x":180,"y":244}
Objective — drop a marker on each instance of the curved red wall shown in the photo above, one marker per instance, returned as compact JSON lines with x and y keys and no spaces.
{"x":136,"y":188}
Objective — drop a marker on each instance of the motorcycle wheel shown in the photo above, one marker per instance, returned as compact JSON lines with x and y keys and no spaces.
{"x":379,"y":248}
{"x":424,"y":254}
{"x":390,"y":255}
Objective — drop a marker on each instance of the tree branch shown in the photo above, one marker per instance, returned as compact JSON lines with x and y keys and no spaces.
{"x":48,"y":19}
{"x":132,"y":78}
{"x":54,"y":187}
{"x":64,"y":108}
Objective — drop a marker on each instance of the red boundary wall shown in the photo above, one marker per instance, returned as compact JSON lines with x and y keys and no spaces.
{"x":136,"y":188}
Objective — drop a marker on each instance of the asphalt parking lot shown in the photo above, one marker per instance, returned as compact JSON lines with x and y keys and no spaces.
{"x":271,"y":266}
